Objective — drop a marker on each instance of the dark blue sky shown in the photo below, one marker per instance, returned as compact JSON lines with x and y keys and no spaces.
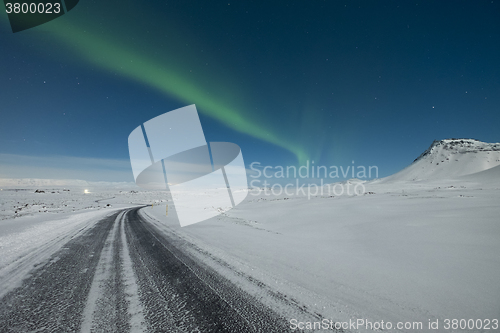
{"x":329,"y":81}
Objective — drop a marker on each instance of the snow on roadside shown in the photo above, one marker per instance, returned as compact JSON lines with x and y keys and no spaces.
{"x":38,"y":239}
{"x":409,"y":251}
{"x":35,"y":222}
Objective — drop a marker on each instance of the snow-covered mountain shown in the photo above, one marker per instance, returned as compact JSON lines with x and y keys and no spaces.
{"x":451,"y":158}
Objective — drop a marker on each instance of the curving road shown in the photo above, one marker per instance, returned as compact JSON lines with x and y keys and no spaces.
{"x":124,"y":275}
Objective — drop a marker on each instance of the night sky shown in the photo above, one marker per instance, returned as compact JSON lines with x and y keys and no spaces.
{"x":333,"y":82}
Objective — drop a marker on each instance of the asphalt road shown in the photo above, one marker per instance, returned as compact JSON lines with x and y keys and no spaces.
{"x":124,"y":275}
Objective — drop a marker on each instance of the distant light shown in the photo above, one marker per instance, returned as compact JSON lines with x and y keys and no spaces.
{"x":86,"y":191}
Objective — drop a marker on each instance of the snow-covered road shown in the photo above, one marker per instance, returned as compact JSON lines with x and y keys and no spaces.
{"x":123,"y":274}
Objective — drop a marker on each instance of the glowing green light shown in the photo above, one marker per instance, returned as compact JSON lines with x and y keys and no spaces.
{"x":129,"y":63}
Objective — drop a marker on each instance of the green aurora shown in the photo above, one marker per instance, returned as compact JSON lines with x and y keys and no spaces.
{"x":112,"y":54}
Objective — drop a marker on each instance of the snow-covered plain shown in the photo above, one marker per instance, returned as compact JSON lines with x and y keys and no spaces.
{"x":408,"y":252}
{"x":411,"y":250}
{"x":418,"y":247}
{"x":37,"y":217}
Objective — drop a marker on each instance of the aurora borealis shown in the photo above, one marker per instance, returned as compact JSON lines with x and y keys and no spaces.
{"x":289,"y":82}
{"x":166,"y":79}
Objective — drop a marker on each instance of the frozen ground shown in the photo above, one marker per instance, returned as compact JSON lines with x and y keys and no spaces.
{"x":407,"y":252}
{"x":37,"y":220}
{"x":111,"y":270}
{"x":410,"y":250}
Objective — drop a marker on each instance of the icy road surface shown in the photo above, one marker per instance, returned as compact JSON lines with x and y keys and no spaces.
{"x":124,"y":275}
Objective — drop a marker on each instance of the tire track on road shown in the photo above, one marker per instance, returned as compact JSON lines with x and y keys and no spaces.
{"x":52,"y":299}
{"x":181,"y":295}
{"x":112,"y":303}
{"x":125,"y":275}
